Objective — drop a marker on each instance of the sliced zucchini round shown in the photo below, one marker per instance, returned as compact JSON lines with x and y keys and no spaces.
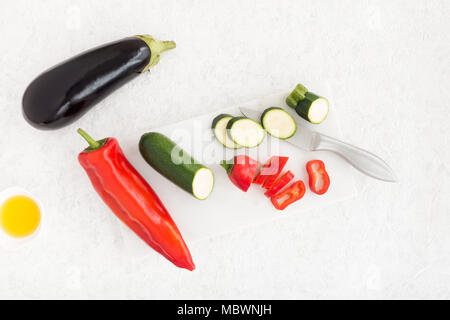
{"x":278,"y":123}
{"x":245,"y":132}
{"x":219,"y":126}
{"x":313,"y":108}
{"x":203,"y":183}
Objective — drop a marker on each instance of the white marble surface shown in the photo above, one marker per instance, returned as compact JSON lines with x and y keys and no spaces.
{"x":385,"y":65}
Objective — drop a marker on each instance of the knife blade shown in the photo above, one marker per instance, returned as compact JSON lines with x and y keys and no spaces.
{"x":309,"y":140}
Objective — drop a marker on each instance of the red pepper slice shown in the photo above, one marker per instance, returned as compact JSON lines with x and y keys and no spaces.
{"x":280,"y":184}
{"x":260,"y":178}
{"x":293,"y":193}
{"x":270,"y":168}
{"x":241,"y":171}
{"x":132,"y":199}
{"x":319,"y":181}
{"x":279,"y":165}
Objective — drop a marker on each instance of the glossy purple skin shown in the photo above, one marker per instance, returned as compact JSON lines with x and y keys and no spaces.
{"x":64,"y":93}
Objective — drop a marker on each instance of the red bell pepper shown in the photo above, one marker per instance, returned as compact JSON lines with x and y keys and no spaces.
{"x":241,"y":171}
{"x":319,"y":181}
{"x":279,"y":166}
{"x":293,"y":193}
{"x":132,"y":199}
{"x":280,"y":184}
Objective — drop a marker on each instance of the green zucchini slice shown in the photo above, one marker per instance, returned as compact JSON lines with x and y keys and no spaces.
{"x":219,"y":127}
{"x":278,"y":123}
{"x":308,"y":105}
{"x":245,"y":132}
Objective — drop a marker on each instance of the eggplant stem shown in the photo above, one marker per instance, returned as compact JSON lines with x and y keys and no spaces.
{"x":168,"y":45}
{"x":156,"y":48}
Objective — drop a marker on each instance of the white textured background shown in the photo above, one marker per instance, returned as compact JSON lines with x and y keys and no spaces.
{"x":385,"y":66}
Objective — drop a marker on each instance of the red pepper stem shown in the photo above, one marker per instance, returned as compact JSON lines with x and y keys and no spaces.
{"x":93,"y":144}
{"x":227,"y":166}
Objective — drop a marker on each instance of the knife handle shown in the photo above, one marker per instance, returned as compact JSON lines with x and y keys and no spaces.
{"x":363,"y":160}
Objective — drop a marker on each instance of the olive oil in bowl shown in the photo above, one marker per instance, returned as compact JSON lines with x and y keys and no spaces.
{"x":20,"y":217}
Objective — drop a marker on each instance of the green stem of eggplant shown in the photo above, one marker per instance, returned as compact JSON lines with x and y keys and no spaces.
{"x":93,"y":144}
{"x":156,"y":47}
{"x":169,"y":45}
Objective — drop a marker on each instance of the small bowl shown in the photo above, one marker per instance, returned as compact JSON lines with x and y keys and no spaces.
{"x":9,"y":242}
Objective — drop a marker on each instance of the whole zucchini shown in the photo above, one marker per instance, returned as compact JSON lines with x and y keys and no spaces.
{"x":163,"y":155}
{"x":64,"y":93}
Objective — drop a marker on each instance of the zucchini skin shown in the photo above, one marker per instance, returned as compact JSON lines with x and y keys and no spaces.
{"x":157,"y":149}
{"x":64,"y":93}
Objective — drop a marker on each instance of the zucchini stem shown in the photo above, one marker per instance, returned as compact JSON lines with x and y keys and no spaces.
{"x":297,"y":95}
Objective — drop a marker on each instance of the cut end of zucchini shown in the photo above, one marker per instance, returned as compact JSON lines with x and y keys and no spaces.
{"x":245,"y":132}
{"x":296,"y":95}
{"x":203,"y":183}
{"x":219,"y":127}
{"x":318,"y":110}
{"x":313,"y":108}
{"x":278,"y":123}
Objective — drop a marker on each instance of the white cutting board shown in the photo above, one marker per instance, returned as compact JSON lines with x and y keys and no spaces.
{"x":228,"y":208}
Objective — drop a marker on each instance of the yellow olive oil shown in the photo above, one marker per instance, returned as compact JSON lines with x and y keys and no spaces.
{"x":20,"y":216}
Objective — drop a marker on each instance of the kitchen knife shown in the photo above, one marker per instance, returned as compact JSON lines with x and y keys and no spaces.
{"x":309,"y":140}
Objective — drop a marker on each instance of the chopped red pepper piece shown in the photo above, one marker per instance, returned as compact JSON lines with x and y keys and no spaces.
{"x":270,"y":168}
{"x":241,"y":171}
{"x":278,"y":167}
{"x":259,"y":179}
{"x":280,"y":184}
{"x":319,"y":181}
{"x":293,"y":193}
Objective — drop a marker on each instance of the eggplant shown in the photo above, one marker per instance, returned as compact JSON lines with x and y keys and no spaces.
{"x":64,"y":93}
